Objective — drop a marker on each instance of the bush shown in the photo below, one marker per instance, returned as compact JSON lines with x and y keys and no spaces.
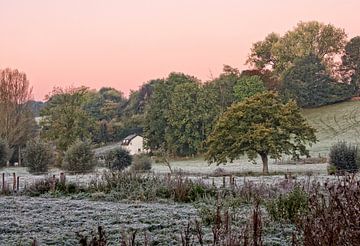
{"x":118,"y":159}
{"x":344,"y":157}
{"x":248,"y":86}
{"x":333,"y":216}
{"x":141,"y":162}
{"x":38,"y":156}
{"x":288,"y":207}
{"x":4,"y":152}
{"x":79,"y":158}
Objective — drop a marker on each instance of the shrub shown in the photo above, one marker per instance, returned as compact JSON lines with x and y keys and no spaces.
{"x":333,"y":216}
{"x":344,"y":157}
{"x":4,"y":152}
{"x":289,"y":206}
{"x":79,"y":158}
{"x":38,"y":156}
{"x":141,"y":162}
{"x":331,"y":170}
{"x":118,"y":159}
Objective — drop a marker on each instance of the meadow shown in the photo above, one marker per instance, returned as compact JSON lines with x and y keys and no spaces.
{"x":164,"y":210}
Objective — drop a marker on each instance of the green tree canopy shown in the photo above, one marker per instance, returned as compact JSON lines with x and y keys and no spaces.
{"x":38,"y":156}
{"x":223,"y":86}
{"x":64,"y":118}
{"x":351,"y":61}
{"x":184,"y":133}
{"x":280,"y":52}
{"x":260,"y":125}
{"x":79,"y":157}
{"x":157,"y":110}
{"x":248,"y":86}
{"x":309,"y":84}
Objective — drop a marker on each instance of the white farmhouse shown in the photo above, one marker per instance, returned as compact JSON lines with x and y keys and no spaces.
{"x":134,"y":144}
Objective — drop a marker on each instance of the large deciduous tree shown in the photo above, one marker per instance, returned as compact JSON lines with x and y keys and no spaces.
{"x":261,"y":125}
{"x":279,"y":53}
{"x":248,"y":86}
{"x":309,"y":84}
{"x":16,"y":121}
{"x":185,"y":131}
{"x":64,"y":118}
{"x":156,"y":123}
{"x":351,"y":62}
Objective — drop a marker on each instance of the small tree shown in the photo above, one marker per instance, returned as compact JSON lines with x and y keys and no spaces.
{"x":4,"y":152}
{"x":141,"y":162}
{"x":344,"y":157}
{"x":118,"y":159}
{"x":38,"y":156}
{"x":260,"y":125}
{"x":79,"y":158}
{"x":248,"y":86}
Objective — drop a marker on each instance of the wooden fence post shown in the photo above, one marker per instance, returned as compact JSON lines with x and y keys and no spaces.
{"x":3,"y":182}
{"x":230,"y":181}
{"x":62,"y":178}
{"x":14,"y":181}
{"x":17,"y":183}
{"x":53,"y":182}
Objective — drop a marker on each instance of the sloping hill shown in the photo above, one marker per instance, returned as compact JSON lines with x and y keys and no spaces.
{"x":333,"y":123}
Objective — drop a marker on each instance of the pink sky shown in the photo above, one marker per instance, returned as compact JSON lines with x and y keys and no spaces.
{"x":126,"y":43}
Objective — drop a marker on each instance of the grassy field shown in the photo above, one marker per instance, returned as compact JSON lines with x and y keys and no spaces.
{"x":334,"y":123}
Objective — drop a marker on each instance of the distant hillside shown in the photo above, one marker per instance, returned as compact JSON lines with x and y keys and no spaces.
{"x":335,"y":122}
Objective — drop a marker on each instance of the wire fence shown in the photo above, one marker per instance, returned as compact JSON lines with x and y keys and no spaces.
{"x":13,"y":181}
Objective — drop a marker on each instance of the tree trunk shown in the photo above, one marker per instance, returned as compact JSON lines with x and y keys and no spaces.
{"x":264,"y":158}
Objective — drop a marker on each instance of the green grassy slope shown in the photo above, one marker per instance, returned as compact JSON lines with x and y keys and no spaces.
{"x":333,"y":123}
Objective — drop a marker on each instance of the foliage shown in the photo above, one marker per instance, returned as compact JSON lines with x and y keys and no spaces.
{"x":53,"y":186}
{"x":141,"y":162}
{"x":4,"y":152}
{"x":270,"y":82}
{"x":156,"y":124}
{"x":104,"y":104}
{"x":17,"y":122}
{"x":288,"y":207}
{"x":262,"y":125}
{"x":79,"y":158}
{"x":333,"y":216}
{"x":185,"y":131}
{"x":64,"y":118}
{"x":309,"y":84}
{"x":344,"y":157}
{"x":351,"y":62}
{"x":280,"y":52}
{"x":38,"y":156}
{"x":331,"y":170}
{"x":118,"y":159}
{"x":248,"y":86}
{"x":224,"y":86}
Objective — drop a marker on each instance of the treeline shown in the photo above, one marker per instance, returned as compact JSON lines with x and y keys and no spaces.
{"x":177,"y":113}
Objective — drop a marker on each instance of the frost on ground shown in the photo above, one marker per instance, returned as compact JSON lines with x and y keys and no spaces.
{"x":56,"y":221}
{"x":199,"y":167}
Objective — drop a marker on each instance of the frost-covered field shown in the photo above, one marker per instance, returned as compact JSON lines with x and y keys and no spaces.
{"x":239,"y":166}
{"x":189,"y":167}
{"x":56,"y":221}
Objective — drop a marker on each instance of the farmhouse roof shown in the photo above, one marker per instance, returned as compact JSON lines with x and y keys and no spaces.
{"x":130,"y":137}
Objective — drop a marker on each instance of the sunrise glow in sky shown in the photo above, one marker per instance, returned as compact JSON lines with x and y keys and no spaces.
{"x":123,"y":44}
